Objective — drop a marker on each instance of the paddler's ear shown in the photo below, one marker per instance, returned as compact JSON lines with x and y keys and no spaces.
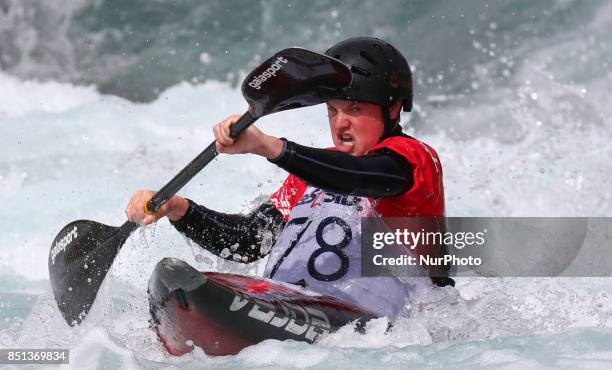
{"x":395,"y":110}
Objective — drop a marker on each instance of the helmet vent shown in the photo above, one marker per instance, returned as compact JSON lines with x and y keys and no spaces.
{"x":368,"y":57}
{"x":381,"y":51}
{"x":360,"y":71}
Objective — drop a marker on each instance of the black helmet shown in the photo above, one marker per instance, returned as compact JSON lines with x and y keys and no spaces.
{"x":381,"y":75}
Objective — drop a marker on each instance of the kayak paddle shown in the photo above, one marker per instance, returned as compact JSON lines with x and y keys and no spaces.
{"x":83,"y":251}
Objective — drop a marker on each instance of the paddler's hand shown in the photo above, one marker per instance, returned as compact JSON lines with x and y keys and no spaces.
{"x":175,"y":208}
{"x":252,"y":140}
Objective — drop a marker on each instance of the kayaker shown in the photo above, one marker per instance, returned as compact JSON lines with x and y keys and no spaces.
{"x":310,"y":227}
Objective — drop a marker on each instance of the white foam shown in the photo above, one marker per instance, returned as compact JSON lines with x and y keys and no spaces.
{"x":18,"y":98}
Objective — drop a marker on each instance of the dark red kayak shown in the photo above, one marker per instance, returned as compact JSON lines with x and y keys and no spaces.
{"x":224,"y":313}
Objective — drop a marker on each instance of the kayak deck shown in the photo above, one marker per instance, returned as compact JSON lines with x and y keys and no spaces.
{"x":224,"y":313}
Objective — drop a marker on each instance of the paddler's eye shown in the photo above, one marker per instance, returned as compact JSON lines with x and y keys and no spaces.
{"x":355,"y":110}
{"x":331,"y":111}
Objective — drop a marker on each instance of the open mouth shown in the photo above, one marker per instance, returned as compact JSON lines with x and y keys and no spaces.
{"x":346,"y":139}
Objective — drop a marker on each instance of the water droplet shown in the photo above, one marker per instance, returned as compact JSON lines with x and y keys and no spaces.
{"x":205,"y":58}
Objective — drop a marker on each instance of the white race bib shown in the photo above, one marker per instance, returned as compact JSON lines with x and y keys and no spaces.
{"x":321,"y":247}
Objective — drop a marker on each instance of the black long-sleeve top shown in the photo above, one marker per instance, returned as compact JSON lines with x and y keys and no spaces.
{"x":246,"y":238}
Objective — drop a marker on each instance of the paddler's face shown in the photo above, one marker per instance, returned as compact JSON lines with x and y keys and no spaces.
{"x":355,"y":126}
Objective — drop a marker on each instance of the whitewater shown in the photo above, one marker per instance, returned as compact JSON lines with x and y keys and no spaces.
{"x":70,"y":153}
{"x":535,"y":144}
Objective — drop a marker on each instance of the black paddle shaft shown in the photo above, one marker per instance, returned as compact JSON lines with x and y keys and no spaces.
{"x":186,"y":174}
{"x":195,"y":166}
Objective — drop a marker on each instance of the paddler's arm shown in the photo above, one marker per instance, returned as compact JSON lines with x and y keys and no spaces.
{"x":377,"y":175}
{"x":241,"y":238}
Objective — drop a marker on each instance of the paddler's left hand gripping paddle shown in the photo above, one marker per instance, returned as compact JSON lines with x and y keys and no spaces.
{"x":83,"y":251}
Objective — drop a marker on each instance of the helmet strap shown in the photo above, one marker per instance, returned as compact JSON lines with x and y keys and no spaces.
{"x":392,"y":127}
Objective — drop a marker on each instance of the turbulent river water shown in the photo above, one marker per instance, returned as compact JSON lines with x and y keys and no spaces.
{"x":101,"y":98}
